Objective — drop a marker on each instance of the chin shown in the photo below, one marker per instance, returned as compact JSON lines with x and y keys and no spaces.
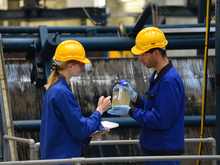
{"x":146,"y":65}
{"x":76,"y":75}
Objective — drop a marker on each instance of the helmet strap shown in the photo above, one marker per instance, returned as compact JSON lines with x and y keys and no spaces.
{"x":54,"y":66}
{"x":58,"y":62}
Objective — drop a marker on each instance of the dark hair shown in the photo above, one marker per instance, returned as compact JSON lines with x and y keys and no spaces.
{"x":162,"y":52}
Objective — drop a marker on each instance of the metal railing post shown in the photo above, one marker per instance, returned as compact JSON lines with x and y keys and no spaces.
{"x":30,"y":142}
{"x":5,"y":150}
{"x":31,"y":147}
{"x":36,"y":150}
{"x":213,"y":145}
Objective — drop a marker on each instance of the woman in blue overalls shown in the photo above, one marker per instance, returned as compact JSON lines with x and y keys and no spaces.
{"x":64,"y":130}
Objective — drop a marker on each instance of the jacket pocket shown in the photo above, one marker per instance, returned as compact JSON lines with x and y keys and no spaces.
{"x":151,"y":96}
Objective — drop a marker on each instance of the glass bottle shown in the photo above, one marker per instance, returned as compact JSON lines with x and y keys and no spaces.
{"x":121,"y":95}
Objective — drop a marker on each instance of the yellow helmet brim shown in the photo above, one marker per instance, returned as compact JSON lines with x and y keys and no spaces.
{"x":136,"y":51}
{"x":86,"y":61}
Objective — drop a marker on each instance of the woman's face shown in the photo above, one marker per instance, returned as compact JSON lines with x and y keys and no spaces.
{"x":76,"y":68}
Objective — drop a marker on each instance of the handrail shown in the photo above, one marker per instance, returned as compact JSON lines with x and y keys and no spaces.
{"x":210,"y":140}
{"x":82,"y":160}
{"x":31,"y":143}
{"x":35,"y":148}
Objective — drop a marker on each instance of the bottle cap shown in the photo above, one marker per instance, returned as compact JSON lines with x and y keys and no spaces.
{"x":122,"y":81}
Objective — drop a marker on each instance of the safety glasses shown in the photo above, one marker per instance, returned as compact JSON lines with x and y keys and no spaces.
{"x":149,"y":51}
{"x":79,"y":63}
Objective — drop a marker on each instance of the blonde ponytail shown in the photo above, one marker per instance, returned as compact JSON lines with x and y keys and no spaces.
{"x":52,"y":79}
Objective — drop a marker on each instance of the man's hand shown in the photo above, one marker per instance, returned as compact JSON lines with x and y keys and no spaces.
{"x":133,"y":93}
{"x":126,"y":84}
{"x":119,"y":110}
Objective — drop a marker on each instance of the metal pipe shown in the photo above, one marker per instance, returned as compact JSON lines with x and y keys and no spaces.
{"x":151,"y":6}
{"x":27,"y":125}
{"x":130,"y":159}
{"x":114,"y":142}
{"x":104,"y":43}
{"x":31,"y":143}
{"x":124,"y":122}
{"x":194,"y":43}
{"x":136,"y":141}
{"x":19,"y":44}
{"x":156,"y":14}
{"x":213,"y":142}
{"x":83,"y":29}
{"x":149,"y":158}
{"x":210,"y":140}
{"x":5,"y":150}
{"x":36,"y":150}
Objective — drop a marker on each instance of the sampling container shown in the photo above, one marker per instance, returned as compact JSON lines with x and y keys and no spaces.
{"x":121,"y":95}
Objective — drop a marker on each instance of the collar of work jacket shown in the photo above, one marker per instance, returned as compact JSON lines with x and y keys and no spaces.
{"x":61,"y":79}
{"x":161,"y":73}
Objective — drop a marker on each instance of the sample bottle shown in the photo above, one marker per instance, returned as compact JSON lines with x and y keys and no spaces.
{"x":121,"y":95}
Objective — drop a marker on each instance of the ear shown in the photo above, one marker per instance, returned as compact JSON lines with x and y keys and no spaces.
{"x":70,"y":66}
{"x":157,"y":53}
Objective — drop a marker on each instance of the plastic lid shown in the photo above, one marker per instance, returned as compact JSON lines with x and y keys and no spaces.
{"x":122,"y":81}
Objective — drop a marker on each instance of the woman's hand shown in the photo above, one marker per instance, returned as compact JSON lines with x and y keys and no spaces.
{"x":100,"y":133}
{"x":104,"y":104}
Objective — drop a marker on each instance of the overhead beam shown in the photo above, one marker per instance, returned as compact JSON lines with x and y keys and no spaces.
{"x":42,"y":13}
{"x":95,"y":13}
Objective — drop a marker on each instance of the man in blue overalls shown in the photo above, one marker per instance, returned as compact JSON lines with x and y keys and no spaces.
{"x":161,"y":114}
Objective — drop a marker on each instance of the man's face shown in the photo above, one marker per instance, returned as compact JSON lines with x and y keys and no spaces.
{"x":148,"y":59}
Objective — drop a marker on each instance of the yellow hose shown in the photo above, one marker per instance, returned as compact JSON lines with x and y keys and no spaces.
{"x":204,"y":78}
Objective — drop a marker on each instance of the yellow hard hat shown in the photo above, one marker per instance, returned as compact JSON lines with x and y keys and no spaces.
{"x":70,"y":50}
{"x":149,"y":38}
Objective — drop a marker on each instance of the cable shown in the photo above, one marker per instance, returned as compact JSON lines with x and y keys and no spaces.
{"x":205,"y":76}
{"x":87,"y":14}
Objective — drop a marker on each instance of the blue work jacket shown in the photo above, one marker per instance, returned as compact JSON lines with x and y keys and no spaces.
{"x":64,"y":130}
{"x":161,"y":114}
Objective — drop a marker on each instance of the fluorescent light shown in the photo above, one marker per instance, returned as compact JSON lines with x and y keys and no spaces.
{"x":99,"y":3}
